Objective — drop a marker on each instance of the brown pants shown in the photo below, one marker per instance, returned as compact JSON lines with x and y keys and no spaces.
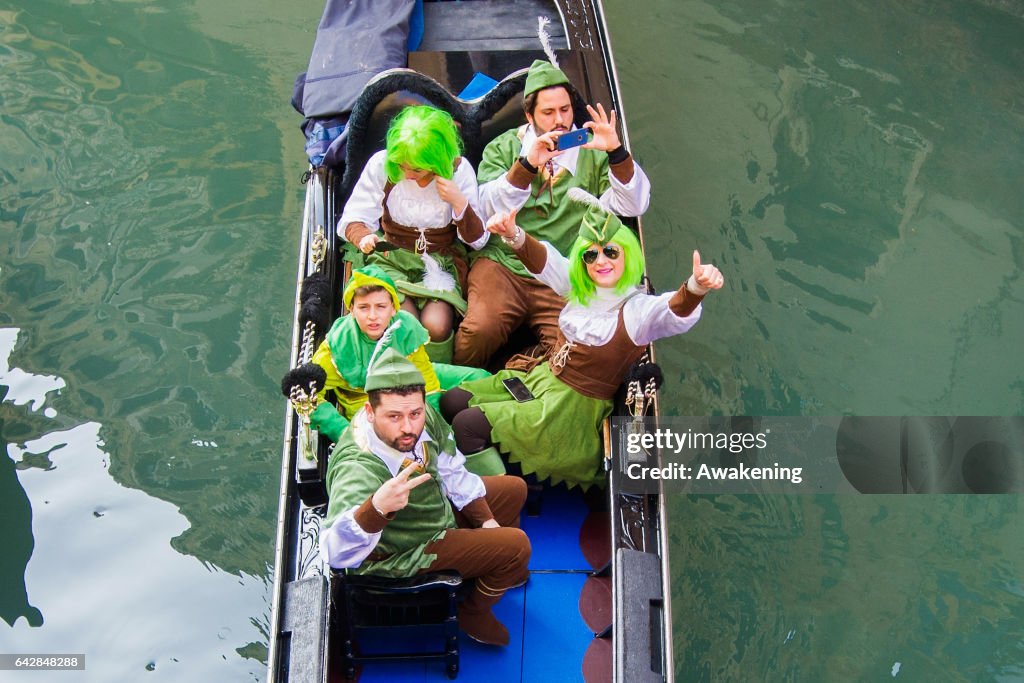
{"x":499,"y":302}
{"x":496,"y":558}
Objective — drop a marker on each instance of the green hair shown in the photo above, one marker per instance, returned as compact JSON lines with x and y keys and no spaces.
{"x":425,"y":138}
{"x":582,"y":289}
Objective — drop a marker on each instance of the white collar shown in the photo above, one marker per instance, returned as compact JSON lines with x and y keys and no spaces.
{"x":367,"y":439}
{"x":566,"y":159}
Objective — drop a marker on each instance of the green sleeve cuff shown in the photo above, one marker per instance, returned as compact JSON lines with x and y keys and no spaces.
{"x":328,"y":421}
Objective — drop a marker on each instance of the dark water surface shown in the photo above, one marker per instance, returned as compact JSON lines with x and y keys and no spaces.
{"x":854,"y":168}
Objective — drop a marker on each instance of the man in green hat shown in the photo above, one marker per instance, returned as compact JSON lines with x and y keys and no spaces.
{"x":403,"y":503}
{"x":523,"y":171}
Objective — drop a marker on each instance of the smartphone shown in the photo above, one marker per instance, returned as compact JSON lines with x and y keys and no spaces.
{"x":574,"y":138}
{"x":518,"y":390}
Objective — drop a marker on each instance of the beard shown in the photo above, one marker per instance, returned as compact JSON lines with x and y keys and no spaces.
{"x":404,"y":443}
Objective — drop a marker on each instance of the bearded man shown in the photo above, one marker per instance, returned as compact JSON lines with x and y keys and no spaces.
{"x":523,"y":171}
{"x":402,"y":502}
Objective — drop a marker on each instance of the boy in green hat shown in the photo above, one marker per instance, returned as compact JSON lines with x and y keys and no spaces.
{"x":345,"y":353}
{"x":522,"y":170}
{"x":403,"y":503}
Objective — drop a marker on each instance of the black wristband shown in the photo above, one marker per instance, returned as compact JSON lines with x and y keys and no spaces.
{"x":527,"y":165}
{"x":618,"y":155}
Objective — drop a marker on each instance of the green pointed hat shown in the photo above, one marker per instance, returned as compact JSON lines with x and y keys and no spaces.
{"x":543,"y":74}
{"x":369,"y":275}
{"x":391,"y":369}
{"x":599,"y":226}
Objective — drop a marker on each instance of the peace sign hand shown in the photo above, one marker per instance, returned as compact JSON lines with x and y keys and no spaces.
{"x":705,"y":276}
{"x":393,"y":495}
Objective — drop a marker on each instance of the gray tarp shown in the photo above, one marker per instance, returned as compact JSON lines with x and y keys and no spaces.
{"x":356,"y":40}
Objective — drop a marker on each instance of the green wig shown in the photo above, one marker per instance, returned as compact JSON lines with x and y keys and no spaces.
{"x":424,"y":138}
{"x":582,"y":289}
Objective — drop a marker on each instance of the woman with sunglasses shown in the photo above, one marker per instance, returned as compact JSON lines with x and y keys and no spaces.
{"x":421,"y":194}
{"x":603,"y":329}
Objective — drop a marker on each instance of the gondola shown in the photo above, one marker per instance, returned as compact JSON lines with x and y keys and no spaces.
{"x":596,"y":607}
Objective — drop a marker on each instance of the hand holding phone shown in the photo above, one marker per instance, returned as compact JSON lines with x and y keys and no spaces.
{"x":574,"y":138}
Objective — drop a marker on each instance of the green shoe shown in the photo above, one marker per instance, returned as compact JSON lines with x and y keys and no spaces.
{"x":486,"y":463}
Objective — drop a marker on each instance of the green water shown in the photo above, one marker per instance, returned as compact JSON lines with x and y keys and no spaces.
{"x":854,"y":168}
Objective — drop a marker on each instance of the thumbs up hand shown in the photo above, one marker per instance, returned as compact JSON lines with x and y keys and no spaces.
{"x":705,"y":276}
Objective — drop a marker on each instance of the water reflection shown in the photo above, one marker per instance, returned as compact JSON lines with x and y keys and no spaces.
{"x":101,"y":555}
{"x":142,"y":197}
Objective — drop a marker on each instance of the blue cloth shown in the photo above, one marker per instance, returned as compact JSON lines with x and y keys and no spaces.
{"x":479,"y":86}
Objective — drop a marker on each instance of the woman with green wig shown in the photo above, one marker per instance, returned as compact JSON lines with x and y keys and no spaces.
{"x":373,"y":324}
{"x":419,"y":195}
{"x":604,"y":328}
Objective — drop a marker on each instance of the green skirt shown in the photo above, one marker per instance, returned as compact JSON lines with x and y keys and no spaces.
{"x":557,"y":435}
{"x":406,"y":269}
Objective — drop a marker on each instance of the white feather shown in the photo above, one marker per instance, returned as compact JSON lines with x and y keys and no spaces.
{"x":382,"y":343}
{"x":435,"y":277}
{"x":578,"y":194}
{"x":545,"y":40}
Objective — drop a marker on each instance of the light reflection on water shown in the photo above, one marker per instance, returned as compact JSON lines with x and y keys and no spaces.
{"x":151,"y":608}
{"x":146,"y":221}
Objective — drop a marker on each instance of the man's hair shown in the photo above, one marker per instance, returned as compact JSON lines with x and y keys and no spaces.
{"x":367,"y":289}
{"x":582,"y":289}
{"x":404,"y":390}
{"x":424,"y":138}
{"x":530,"y":101}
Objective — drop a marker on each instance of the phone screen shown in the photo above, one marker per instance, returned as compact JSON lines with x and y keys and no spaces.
{"x":519,"y":391}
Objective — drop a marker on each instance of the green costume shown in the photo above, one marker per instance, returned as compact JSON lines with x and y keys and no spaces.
{"x":557,"y":435}
{"x":354,"y":474}
{"x":547,"y":215}
{"x":346,"y":351}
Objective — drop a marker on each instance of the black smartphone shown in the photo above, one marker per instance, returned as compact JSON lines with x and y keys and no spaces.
{"x":518,"y":390}
{"x":574,"y":138}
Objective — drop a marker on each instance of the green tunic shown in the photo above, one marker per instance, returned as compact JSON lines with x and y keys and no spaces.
{"x":344,"y":355}
{"x":548,"y":216}
{"x":556,"y":435}
{"x":354,"y":474}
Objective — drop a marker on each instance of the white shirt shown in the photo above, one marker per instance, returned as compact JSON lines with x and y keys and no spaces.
{"x":624,"y":199}
{"x":647,"y":317}
{"x":345,"y":544}
{"x":408,"y":203}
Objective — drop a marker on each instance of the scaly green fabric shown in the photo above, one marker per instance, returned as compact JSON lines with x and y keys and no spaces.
{"x":354,"y":474}
{"x":557,"y":223}
{"x":556,"y":435}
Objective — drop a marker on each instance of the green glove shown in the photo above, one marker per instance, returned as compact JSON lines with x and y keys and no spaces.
{"x":328,"y":421}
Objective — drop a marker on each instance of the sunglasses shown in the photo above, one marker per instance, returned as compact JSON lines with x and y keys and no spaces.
{"x":611,"y":252}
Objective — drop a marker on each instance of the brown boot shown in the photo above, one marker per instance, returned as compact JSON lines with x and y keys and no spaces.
{"x":482,"y":626}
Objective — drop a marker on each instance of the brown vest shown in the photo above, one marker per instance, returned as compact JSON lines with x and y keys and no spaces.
{"x":597,"y":371}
